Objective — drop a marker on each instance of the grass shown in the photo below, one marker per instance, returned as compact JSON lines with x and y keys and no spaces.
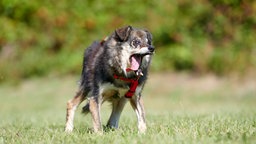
{"x":180,"y":109}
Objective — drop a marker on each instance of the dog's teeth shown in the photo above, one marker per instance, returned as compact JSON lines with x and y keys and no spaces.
{"x":139,"y":72}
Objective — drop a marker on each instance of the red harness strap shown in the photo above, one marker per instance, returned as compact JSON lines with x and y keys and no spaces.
{"x":133,"y":85}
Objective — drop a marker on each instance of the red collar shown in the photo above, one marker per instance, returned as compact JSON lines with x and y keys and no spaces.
{"x":133,"y":85}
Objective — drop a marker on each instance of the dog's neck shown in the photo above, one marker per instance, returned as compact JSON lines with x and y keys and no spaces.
{"x":128,"y":75}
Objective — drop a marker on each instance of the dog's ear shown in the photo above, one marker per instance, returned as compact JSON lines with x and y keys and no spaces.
{"x":149,"y":37}
{"x":123,"y":33}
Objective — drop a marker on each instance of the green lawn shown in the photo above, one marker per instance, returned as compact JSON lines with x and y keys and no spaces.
{"x":180,"y":109}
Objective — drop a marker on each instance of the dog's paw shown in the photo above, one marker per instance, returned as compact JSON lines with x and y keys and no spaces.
{"x":142,"y":128}
{"x":99,"y":132}
{"x":68,"y":129}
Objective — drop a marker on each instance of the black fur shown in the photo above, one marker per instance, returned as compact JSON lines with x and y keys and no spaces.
{"x":96,"y":68}
{"x":125,"y":53}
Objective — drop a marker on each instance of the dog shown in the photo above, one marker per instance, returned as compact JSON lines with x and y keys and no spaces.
{"x":114,"y":70}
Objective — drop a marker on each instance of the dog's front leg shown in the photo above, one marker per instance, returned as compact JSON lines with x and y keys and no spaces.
{"x":118,"y":106}
{"x":94,"y":106}
{"x":138,"y":107}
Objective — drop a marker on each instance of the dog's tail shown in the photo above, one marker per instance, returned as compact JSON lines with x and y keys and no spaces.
{"x":86,"y":109}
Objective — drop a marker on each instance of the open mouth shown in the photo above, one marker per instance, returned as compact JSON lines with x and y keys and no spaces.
{"x":135,"y":61}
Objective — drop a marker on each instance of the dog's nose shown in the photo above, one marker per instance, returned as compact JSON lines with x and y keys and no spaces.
{"x":151,"y":48}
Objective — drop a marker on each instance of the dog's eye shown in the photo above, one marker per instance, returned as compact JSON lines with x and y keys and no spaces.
{"x":136,"y":43}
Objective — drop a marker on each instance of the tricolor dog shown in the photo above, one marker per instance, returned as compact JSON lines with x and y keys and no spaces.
{"x":114,"y":70}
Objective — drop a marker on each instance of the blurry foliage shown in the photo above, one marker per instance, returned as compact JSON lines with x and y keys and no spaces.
{"x":38,"y":37}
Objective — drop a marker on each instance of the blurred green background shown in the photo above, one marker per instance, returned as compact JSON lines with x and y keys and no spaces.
{"x":38,"y":38}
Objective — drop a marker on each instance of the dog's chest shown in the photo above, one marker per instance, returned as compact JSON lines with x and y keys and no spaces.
{"x":109,"y":90}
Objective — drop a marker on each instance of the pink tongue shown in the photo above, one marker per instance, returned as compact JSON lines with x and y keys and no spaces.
{"x":135,"y":62}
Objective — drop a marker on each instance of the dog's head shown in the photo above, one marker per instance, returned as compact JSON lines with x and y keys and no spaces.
{"x":134,"y":46}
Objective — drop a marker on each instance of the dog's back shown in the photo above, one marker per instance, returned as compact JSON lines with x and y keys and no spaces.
{"x":91,"y":65}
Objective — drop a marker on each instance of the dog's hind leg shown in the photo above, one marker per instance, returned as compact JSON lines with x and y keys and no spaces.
{"x":86,"y":109}
{"x":137,"y":105}
{"x":94,"y":106}
{"x":118,"y":106}
{"x":71,"y":107}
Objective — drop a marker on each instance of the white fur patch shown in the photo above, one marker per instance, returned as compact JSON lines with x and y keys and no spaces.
{"x":126,"y":53}
{"x":108,"y":88}
{"x":144,"y":50}
{"x":138,"y":90}
{"x":145,"y":61}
